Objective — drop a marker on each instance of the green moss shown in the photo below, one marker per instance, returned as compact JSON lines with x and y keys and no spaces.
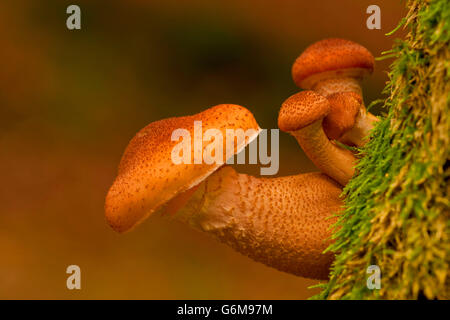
{"x":397,"y":206}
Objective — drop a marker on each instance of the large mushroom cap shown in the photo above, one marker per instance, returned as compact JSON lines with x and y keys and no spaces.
{"x":148,"y":178}
{"x":331,"y":55}
{"x":344,"y":108}
{"x":301,"y":110}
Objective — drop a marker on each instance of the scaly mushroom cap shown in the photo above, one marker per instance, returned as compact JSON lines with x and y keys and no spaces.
{"x":148,"y":178}
{"x":331,"y":55}
{"x":344,"y":108}
{"x":302,"y":109}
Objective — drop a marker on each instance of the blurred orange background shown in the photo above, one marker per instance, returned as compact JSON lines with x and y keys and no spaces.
{"x":71,"y":100}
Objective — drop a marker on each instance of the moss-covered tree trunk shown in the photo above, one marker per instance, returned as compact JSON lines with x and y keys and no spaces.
{"x":397,"y":207}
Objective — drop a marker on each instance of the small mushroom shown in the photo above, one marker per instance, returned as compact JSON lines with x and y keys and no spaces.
{"x":302,"y":115}
{"x":347,"y":120}
{"x":336,"y":65}
{"x":281,"y":222}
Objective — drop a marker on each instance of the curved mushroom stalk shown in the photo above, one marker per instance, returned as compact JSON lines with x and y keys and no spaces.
{"x":333,"y":66}
{"x":281,"y":222}
{"x":329,"y":158}
{"x":301,"y":115}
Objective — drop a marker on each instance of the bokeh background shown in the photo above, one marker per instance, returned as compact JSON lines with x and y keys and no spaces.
{"x":71,"y":100}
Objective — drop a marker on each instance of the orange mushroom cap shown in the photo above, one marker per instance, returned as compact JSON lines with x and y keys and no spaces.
{"x":331,"y":55}
{"x":344,"y":108}
{"x":148,"y":178}
{"x":302,"y":109}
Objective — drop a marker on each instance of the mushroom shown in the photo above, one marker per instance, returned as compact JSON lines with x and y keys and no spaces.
{"x":347,"y":121}
{"x":336,"y":65}
{"x":281,"y":222}
{"x":302,"y":115}
{"x":332,"y":65}
{"x":148,"y":177}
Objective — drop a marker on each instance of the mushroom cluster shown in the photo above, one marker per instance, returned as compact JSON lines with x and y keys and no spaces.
{"x":283,"y":222}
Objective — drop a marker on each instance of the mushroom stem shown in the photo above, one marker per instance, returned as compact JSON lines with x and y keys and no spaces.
{"x":365,"y":121}
{"x":281,"y":222}
{"x":329,"y":158}
{"x":328,"y":86}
